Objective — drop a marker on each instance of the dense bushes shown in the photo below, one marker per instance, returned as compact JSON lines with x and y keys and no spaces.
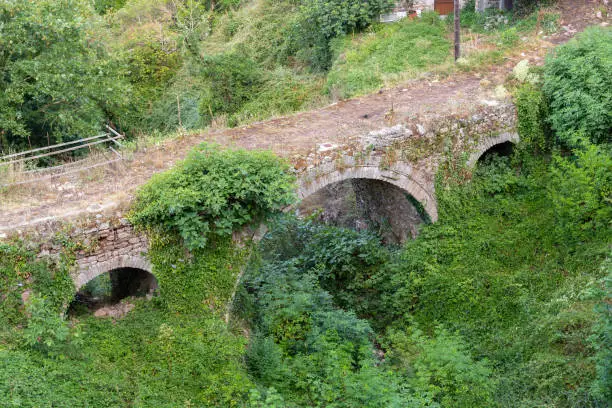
{"x":148,"y":358}
{"x":322,"y":20}
{"x":232,"y":81}
{"x":581,"y":190}
{"x":577,"y":83}
{"x":307,"y":349}
{"x":56,"y":79}
{"x":212,"y":193}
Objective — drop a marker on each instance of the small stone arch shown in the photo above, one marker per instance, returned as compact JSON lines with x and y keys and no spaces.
{"x":88,"y":272}
{"x":488,"y":142}
{"x":398,"y":175}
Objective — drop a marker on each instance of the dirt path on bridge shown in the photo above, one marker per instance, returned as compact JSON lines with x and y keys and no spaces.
{"x":293,"y":136}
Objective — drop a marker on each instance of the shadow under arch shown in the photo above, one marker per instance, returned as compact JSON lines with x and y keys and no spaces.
{"x":398,"y":176}
{"x":88,"y":272}
{"x":107,"y":283}
{"x":488,"y":144}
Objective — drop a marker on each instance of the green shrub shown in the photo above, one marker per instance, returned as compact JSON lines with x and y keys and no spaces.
{"x":577,"y":83}
{"x":441,"y":369}
{"x":581,"y":193}
{"x":46,"y":328}
{"x":313,"y":353}
{"x":57,"y":80}
{"x":213,"y":192}
{"x":104,"y":6}
{"x":233,"y":80}
{"x":532,"y":115}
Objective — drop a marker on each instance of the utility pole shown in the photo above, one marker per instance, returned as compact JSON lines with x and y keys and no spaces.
{"x":457,"y":31}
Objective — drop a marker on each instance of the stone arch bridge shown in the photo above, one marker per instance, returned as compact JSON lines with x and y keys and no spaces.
{"x":406,"y":154}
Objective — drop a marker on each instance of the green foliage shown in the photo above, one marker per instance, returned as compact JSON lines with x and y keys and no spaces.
{"x":322,"y":20}
{"x":602,"y":336}
{"x":282,"y":92}
{"x":200,"y":283}
{"x":272,"y":399}
{"x":337,"y":17}
{"x":577,"y":84}
{"x":311,"y":352}
{"x":56,"y":78}
{"x":212,"y":193}
{"x":151,"y":65}
{"x":440,"y":370}
{"x":148,"y":358}
{"x":46,"y":328}
{"x":581,"y":192}
{"x":232,"y":81}
{"x":532,"y":115}
{"x":99,"y":286}
{"x":343,"y":260}
{"x":105,"y":6}
{"x":21,"y":272}
{"x":386,"y":55}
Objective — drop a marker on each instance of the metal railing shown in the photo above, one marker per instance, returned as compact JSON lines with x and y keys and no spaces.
{"x":47,"y":173}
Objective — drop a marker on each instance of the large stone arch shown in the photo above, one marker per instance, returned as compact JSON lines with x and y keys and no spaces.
{"x":88,"y":272}
{"x":486,"y":143}
{"x":401,"y":175}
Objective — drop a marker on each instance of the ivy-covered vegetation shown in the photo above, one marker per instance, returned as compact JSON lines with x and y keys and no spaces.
{"x":505,"y":301}
{"x":213,"y":193}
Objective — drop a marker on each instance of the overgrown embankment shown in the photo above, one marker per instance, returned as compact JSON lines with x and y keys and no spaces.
{"x":505,"y":301}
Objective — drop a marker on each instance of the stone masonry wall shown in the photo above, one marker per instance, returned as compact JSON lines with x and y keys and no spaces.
{"x":114,"y":248}
{"x":104,"y":242}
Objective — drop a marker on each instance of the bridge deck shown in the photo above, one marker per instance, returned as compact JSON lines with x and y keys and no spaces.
{"x":293,"y":136}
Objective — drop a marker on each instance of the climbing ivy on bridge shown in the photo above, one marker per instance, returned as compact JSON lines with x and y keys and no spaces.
{"x":212,"y":193}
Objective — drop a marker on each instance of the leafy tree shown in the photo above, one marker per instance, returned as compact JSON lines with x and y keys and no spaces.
{"x":213,"y":192}
{"x":577,"y":83}
{"x":56,"y":79}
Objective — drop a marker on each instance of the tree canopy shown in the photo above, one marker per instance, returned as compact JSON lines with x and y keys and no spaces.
{"x":56,"y":78}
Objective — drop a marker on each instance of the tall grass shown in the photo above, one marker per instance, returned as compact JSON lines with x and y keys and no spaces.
{"x":386,"y":55}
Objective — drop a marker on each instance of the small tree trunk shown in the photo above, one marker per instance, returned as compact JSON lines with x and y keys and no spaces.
{"x":457,"y":32}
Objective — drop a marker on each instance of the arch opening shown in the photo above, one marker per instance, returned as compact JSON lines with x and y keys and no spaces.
{"x":361,"y":203}
{"x":107,"y":291}
{"x":504,"y":149}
